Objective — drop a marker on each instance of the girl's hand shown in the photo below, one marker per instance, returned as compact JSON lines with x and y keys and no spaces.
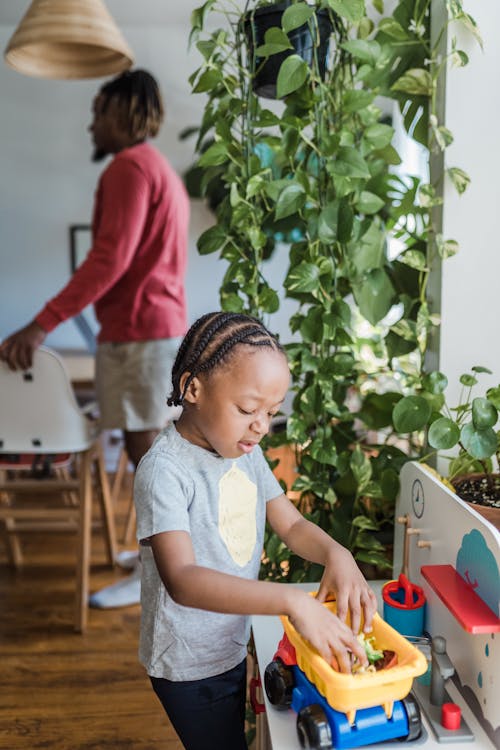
{"x":344,"y":580}
{"x":331,"y":637}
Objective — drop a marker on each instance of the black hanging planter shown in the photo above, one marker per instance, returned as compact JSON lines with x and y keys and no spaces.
{"x":257,"y":22}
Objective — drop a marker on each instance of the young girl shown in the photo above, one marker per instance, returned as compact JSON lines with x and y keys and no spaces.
{"x":203,"y":493}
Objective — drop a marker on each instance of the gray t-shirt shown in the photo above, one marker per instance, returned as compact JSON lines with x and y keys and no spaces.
{"x":221,"y":503}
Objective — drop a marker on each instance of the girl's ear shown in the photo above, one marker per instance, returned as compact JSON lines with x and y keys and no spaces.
{"x":193,"y":390}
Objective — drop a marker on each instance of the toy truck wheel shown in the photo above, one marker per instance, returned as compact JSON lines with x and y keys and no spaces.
{"x":313,"y":728}
{"x":414,"y":718}
{"x":279,"y":684}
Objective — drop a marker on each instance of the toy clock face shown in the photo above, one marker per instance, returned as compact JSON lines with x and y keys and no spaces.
{"x":417,"y":498}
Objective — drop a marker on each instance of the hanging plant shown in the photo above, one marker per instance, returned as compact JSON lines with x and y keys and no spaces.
{"x":319,"y":168}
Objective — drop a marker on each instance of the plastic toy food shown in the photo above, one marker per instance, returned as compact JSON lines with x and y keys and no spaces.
{"x":377,"y":658}
{"x":347,"y":710}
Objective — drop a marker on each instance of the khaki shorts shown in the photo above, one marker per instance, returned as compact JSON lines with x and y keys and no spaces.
{"x":133,"y":382}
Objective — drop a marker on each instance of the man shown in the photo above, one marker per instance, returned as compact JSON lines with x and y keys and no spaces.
{"x":134,"y":271}
{"x":134,"y":274}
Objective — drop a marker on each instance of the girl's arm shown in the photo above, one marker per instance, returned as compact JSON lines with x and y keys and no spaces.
{"x":192,"y":585}
{"x":341,"y":576}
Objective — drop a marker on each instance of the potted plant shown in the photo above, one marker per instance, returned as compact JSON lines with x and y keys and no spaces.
{"x":311,"y":180}
{"x":468,"y":427}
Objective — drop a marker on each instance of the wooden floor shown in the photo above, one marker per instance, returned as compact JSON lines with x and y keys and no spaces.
{"x":60,"y":690}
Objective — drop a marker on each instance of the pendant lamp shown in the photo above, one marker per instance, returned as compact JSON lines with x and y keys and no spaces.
{"x":68,"y":39}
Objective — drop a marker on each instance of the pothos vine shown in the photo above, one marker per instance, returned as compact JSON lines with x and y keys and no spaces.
{"x":313,"y":179}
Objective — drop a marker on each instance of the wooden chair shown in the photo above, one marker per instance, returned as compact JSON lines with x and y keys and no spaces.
{"x":40,"y":420}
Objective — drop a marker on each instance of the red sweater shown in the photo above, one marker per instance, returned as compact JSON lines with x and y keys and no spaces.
{"x":134,"y":271}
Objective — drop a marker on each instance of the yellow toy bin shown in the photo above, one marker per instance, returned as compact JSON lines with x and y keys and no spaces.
{"x":350,"y":692}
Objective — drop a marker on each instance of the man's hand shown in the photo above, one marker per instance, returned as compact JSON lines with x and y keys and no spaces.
{"x":17,"y":350}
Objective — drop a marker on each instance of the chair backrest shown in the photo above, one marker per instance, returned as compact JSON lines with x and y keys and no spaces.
{"x":38,"y":409}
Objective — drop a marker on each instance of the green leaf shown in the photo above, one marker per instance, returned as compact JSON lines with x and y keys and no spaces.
{"x":379,"y":135}
{"x":311,"y":327}
{"x":374,"y":296}
{"x":414,"y":259}
{"x":478,"y":368}
{"x":361,"y":49}
{"x":208,"y":80}
{"x":350,"y":163}
{"x":211,"y":240}
{"x":215,"y":154}
{"x":393,"y":29}
{"x":479,"y":443}
{"x":411,"y":413}
{"x":357,"y":99}
{"x":352,"y":10}
{"x":368,"y":252}
{"x":446,"y":248}
{"x":275,"y":41}
{"x":292,"y":74}
{"x":468,"y":380}
{"x":323,"y":453}
{"x":296,"y":16}
{"x":493,"y":395}
{"x":303,"y":278}
{"x":268,"y":300}
{"x":484,"y":414}
{"x":361,"y":468}
{"x":343,"y":363}
{"x":459,"y":178}
{"x":376,"y":410}
{"x":327,"y":224}
{"x":291,"y":200}
{"x":389,"y":483}
{"x":414,"y":81}
{"x":369,"y":203}
{"x":435,"y":382}
{"x":443,"y":434}
{"x":346,"y":219}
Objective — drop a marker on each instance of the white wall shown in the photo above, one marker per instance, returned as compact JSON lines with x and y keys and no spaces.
{"x":470,"y":295}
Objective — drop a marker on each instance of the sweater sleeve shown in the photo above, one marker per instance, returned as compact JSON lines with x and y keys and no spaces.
{"x":122,"y":208}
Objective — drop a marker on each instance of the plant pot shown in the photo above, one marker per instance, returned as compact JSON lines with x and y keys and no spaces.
{"x":257,"y":22}
{"x":474,"y":489}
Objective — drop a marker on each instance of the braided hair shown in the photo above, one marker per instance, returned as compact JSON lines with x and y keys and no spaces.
{"x":139,"y":101}
{"x":209,"y":343}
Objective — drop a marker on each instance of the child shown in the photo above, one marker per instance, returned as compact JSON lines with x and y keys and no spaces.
{"x":203,"y":493}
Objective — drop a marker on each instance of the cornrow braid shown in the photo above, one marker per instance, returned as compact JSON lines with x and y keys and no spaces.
{"x":209,"y":343}
{"x":139,"y":100}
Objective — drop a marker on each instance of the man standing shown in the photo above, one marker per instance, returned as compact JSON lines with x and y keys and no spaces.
{"x":134,"y":272}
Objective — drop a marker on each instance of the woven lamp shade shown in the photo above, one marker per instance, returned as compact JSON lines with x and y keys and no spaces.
{"x":68,"y":39}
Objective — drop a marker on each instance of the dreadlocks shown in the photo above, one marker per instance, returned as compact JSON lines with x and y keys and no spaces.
{"x":209,"y":343}
{"x":139,"y":101}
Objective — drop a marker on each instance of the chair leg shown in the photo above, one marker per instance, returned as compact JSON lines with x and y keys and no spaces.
{"x":12,"y":543}
{"x":129,"y":523}
{"x":106,"y":505}
{"x":121,"y":470}
{"x":83,"y":543}
{"x":8,"y":527}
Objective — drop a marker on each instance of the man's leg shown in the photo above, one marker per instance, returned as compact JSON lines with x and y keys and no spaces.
{"x":138,"y":443}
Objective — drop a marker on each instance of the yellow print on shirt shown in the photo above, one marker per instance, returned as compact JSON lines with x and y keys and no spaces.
{"x":237,"y":509}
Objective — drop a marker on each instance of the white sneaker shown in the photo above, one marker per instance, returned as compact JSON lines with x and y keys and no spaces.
{"x":125,"y":593}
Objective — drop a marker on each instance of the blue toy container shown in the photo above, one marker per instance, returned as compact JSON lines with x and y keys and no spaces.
{"x":404,"y":606}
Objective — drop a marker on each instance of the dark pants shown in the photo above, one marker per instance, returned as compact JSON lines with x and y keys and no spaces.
{"x":207,"y":714}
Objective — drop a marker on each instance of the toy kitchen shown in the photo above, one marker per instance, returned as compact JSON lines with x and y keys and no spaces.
{"x":440,"y":614}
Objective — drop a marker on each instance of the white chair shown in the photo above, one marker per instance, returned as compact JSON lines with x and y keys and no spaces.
{"x":39,"y":417}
